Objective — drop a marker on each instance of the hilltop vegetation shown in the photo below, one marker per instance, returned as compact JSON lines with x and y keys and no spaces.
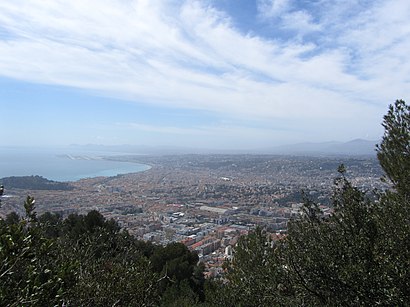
{"x":89,"y":261}
{"x":34,"y":183}
{"x":359,"y":255}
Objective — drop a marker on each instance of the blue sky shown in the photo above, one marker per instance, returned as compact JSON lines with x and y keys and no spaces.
{"x":223,"y":74}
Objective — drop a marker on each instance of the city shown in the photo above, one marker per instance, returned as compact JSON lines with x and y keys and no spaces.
{"x":205,"y":201}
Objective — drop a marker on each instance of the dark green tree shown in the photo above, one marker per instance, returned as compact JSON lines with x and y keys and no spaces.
{"x":254,"y":277}
{"x":12,"y":218}
{"x":181,"y":279}
{"x":44,"y":264}
{"x":337,"y":258}
{"x":394,"y":150}
{"x":51,"y":223}
{"x":360,"y":255}
{"x":28,"y":275}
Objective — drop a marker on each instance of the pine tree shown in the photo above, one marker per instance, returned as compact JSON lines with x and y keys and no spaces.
{"x":360,"y":255}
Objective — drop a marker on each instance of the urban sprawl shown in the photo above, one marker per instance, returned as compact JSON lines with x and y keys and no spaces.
{"x":205,"y":201}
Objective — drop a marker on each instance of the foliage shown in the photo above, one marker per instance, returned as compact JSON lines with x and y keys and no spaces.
{"x":181,"y":279}
{"x":87,"y":261}
{"x":34,"y":183}
{"x":394,"y":150}
{"x":27,"y":273}
{"x":336,"y":259}
{"x":254,"y":277}
{"x":360,"y":255}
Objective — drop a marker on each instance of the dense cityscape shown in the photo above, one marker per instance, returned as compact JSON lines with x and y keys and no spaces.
{"x":204,"y":201}
{"x":204,"y":153}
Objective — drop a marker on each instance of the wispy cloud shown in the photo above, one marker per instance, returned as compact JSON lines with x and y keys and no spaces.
{"x":284,"y":14}
{"x":269,"y":9}
{"x":300,"y":21}
{"x":169,"y":130}
{"x":189,"y":55}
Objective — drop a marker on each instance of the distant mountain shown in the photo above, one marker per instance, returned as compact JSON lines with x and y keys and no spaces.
{"x":357,"y":147}
{"x":152,"y":150}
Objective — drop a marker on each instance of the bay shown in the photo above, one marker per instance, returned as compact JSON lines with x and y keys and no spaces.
{"x":62,"y":164}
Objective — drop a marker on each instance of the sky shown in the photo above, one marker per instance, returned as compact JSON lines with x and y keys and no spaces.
{"x":216,"y":74}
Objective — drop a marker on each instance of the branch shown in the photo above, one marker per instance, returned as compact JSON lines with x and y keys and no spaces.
{"x":304,"y":283}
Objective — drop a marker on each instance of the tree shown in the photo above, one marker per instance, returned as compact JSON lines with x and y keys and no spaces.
{"x":360,"y":255}
{"x":44,"y":264}
{"x":394,"y":150}
{"x":180,"y":276}
{"x":337,"y":259}
{"x":28,"y":275}
{"x":394,"y":214}
{"x":12,"y":218}
{"x":103,"y":265}
{"x":255,"y":276}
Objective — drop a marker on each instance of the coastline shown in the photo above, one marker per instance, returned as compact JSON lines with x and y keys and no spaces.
{"x":63,"y":166}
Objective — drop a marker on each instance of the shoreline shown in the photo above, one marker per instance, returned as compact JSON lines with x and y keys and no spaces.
{"x":67,"y":167}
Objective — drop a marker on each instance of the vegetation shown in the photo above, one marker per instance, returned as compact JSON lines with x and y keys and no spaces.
{"x":34,"y":183}
{"x":89,"y":261}
{"x":359,"y":255}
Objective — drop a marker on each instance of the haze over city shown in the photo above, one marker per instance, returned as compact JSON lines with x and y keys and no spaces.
{"x":228,"y":74}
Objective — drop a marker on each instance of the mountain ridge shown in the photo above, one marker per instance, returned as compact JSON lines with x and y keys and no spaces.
{"x":355,"y":147}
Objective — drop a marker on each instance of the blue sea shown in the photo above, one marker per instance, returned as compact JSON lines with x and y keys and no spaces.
{"x":62,"y":164}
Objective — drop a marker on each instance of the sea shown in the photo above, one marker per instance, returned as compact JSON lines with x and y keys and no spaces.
{"x":63,"y":164}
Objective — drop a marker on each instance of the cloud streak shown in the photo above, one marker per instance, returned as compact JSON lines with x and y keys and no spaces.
{"x":189,"y":55}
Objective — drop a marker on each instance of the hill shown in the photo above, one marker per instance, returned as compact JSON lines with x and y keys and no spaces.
{"x":34,"y":183}
{"x":357,"y":147}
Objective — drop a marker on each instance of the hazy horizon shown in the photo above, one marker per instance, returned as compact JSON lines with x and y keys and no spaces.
{"x":226,"y":75}
{"x":357,"y":147}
